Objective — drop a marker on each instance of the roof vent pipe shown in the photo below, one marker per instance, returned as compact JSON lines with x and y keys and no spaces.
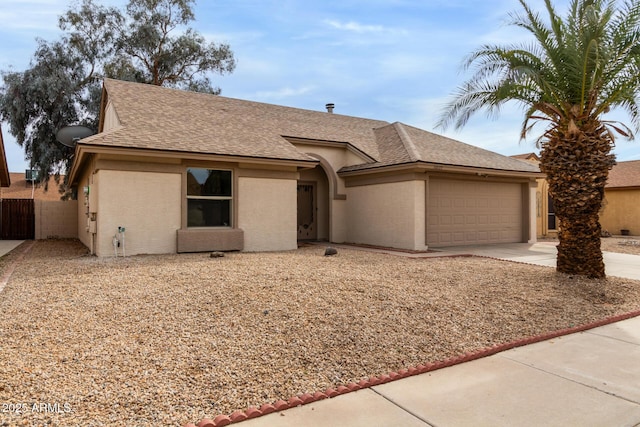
{"x":330,"y":107}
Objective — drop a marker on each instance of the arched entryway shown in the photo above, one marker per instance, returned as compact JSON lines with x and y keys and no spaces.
{"x":313,"y":205}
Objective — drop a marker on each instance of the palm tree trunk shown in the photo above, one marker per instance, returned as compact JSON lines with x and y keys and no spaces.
{"x":577,"y":164}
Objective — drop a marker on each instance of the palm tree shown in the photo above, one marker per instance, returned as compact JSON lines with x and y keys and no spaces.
{"x":573,"y":73}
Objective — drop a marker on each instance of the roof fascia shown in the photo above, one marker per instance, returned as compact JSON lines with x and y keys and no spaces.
{"x":435,"y":167}
{"x":103,"y":105}
{"x":623,"y":187}
{"x":84,"y":150}
{"x":326,"y":143}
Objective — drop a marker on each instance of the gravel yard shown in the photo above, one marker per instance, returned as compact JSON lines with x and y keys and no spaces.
{"x":624,"y":245}
{"x":167,"y":340}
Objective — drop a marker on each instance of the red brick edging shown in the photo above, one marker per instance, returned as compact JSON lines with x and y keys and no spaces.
{"x":303,"y":399}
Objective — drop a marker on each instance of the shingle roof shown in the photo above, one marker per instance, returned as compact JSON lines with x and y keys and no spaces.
{"x":400,"y":143}
{"x":624,"y":174}
{"x":159,"y":118}
{"x":533,"y":157}
{"x":169,"y":119}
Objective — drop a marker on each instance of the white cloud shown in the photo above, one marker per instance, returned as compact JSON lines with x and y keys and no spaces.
{"x":354,"y":26}
{"x":282,"y":93}
{"x":358,"y":28}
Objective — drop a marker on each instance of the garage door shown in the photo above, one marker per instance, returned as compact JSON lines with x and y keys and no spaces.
{"x":473,"y":213}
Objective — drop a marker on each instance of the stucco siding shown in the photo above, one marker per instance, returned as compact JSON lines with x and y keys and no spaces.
{"x":339,"y":223}
{"x":82,"y":216}
{"x":147,"y":204}
{"x":389,"y":214}
{"x":267,"y":213}
{"x":621,"y":210}
{"x":336,"y":156}
{"x":56,"y":219}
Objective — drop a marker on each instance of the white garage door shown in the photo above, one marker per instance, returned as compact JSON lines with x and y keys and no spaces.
{"x":473,"y":213}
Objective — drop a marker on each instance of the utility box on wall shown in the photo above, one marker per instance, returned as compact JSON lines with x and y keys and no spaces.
{"x":93,"y":199}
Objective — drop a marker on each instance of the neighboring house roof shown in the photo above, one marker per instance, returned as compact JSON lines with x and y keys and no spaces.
{"x":158,"y":118}
{"x":624,"y":174}
{"x":22,"y":189}
{"x":5,"y":179}
{"x":530,"y":157}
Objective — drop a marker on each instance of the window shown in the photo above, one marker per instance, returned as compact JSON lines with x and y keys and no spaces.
{"x":209,"y":198}
{"x":551,"y":216}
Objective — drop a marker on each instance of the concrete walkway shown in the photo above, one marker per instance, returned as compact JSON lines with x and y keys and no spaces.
{"x":590,"y":378}
{"x":7,"y":246}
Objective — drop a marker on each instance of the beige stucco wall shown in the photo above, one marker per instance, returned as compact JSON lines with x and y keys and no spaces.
{"x":529,"y":220}
{"x":542,"y":210}
{"x":335,"y":157}
{"x":621,"y":210}
{"x":83,"y":210}
{"x":147,"y":204}
{"x":339,"y":223}
{"x":338,"y":157}
{"x":389,"y":214}
{"x":56,"y":219}
{"x":267,"y":213}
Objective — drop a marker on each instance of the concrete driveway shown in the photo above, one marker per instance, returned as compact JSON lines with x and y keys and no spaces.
{"x":544,"y":253}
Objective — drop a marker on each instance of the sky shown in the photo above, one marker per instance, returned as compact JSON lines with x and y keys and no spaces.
{"x":393,"y":60}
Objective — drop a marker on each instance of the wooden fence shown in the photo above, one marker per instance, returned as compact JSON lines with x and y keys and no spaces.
{"x":17,"y":219}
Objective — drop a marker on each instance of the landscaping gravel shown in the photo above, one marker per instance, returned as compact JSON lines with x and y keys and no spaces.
{"x":168,"y":340}
{"x":624,"y":245}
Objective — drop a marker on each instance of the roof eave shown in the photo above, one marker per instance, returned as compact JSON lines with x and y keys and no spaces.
{"x":83,"y":150}
{"x":326,"y":143}
{"x":437,"y":167}
{"x":623,"y":187}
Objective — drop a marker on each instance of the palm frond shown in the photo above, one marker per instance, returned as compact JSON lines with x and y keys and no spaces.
{"x":580,"y":65}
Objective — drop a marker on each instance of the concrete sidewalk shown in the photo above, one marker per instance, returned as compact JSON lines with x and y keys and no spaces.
{"x":590,"y":378}
{"x":7,"y":246}
{"x":585,"y":379}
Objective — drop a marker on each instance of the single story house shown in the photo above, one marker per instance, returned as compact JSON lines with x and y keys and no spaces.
{"x":180,"y":171}
{"x":621,"y":206}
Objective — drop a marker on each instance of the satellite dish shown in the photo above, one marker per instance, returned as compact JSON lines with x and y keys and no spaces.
{"x":69,"y":135}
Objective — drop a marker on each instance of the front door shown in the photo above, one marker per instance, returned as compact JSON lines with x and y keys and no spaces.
{"x":307,"y":227}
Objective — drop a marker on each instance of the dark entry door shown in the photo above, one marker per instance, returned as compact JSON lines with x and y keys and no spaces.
{"x":18,"y":219}
{"x":307,"y":227}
